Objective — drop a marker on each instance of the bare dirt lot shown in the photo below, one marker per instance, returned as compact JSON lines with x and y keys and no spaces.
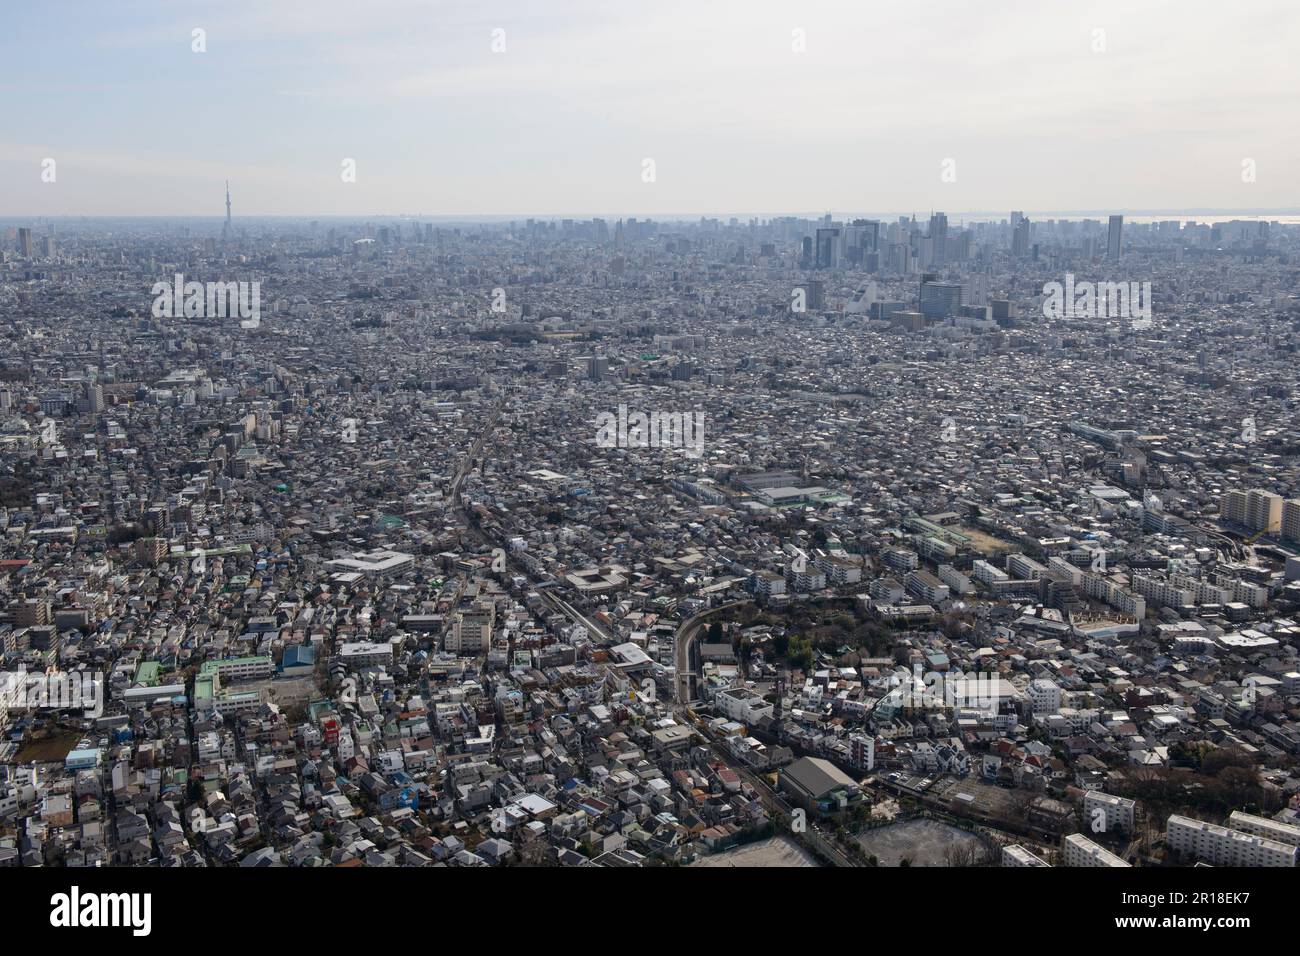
{"x":984,"y":542}
{"x":288,"y":691}
{"x":50,"y":749}
{"x":777,"y":851}
{"x":924,"y":842}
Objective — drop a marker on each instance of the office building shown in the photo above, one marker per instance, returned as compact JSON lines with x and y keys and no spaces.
{"x":940,"y":300}
{"x":471,"y":633}
{"x":828,"y":248}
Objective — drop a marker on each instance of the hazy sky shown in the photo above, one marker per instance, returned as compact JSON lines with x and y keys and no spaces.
{"x":712,"y":90}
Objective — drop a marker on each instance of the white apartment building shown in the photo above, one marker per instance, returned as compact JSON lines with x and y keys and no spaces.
{"x":1078,"y":850}
{"x":1203,"y":592}
{"x":1025,"y":568}
{"x":1264,"y":827}
{"x":767,"y":584}
{"x":957,"y":582}
{"x":1253,"y":594}
{"x":926,"y":587}
{"x":862,"y":749}
{"x":932,"y":549}
{"x":1263,"y":511}
{"x":1067,"y":570}
{"x":228,"y":703}
{"x":805,"y":581}
{"x":1044,"y":697}
{"x":1164,"y":593}
{"x":838,"y":571}
{"x":13,"y":695}
{"x":1291,"y":519}
{"x":1122,"y":599}
{"x":887,"y":590}
{"x":1256,"y":509}
{"x":1223,"y":846}
{"x":365,"y":654}
{"x":1017,"y":855}
{"x":1233,"y":507}
{"x":1105,"y":813}
{"x":986,"y":574}
{"x":742,"y":704}
{"x":242,"y":668}
{"x":901,"y":559}
{"x":1117,"y":597}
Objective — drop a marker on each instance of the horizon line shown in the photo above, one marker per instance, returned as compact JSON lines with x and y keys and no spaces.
{"x":674,"y":216}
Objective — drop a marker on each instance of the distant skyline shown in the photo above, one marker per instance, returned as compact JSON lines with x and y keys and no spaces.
{"x":1284,"y":216}
{"x":1036,"y":110}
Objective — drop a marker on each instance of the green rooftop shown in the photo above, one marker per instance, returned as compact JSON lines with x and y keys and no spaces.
{"x":148,"y":673}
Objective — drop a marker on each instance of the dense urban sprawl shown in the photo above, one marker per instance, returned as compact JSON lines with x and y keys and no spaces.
{"x":650,"y":543}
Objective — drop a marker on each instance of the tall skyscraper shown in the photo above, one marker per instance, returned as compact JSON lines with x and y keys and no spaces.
{"x":871,"y":234}
{"x":1113,"y":237}
{"x":938,"y":226}
{"x":225,"y":230}
{"x":828,"y":248}
{"x":938,"y":237}
{"x":25,"y":242}
{"x":1020,"y":239}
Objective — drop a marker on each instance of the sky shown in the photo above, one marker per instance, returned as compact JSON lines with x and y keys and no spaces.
{"x":742,"y":107}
